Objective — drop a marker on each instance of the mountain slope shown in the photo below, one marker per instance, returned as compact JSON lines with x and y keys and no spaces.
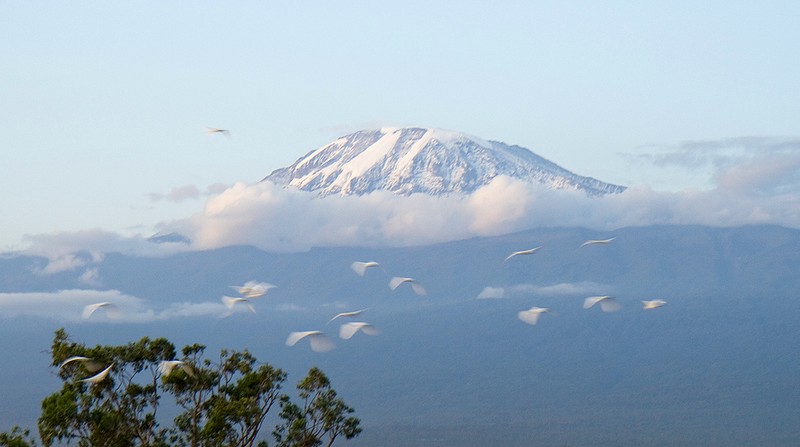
{"x":716,"y":366}
{"x":431,"y":161}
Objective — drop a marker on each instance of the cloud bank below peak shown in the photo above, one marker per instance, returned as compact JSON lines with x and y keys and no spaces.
{"x":755,"y":181}
{"x":276,"y":219}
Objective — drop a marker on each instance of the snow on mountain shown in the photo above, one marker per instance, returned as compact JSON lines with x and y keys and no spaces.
{"x":431,"y":161}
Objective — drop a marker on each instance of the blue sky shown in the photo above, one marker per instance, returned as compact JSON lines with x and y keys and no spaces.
{"x":105,"y":104}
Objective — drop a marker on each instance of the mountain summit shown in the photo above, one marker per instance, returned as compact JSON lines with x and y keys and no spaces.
{"x":431,"y":161}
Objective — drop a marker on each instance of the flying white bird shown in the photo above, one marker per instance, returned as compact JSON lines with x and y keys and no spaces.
{"x":111,"y":310}
{"x":319,"y":341}
{"x":90,"y":364}
{"x":99,"y":377}
{"x":418,"y":289}
{"x":607,"y":303}
{"x":349,"y":329}
{"x":253,"y":289}
{"x":165,"y":367}
{"x":229,"y":302}
{"x":522,"y":252}
{"x":598,"y":241}
{"x":214,"y":130}
{"x":361,"y":267}
{"x":531,"y":316}
{"x":652,"y":304}
{"x":347,"y":314}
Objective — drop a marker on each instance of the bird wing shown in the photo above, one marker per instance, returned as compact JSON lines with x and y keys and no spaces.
{"x":522,"y":252}
{"x":653,"y":304}
{"x":529,"y":316}
{"x":598,"y":241}
{"x":258,"y":289}
{"x":396,"y":281}
{"x":229,"y":301}
{"x":418,"y":289}
{"x":92,"y":365}
{"x":294,"y":337}
{"x":609,"y":305}
{"x":347,"y":330}
{"x":592,"y":300}
{"x":359,"y":267}
{"x":90,"y":309}
{"x":165,"y":367}
{"x":369,"y":329}
{"x":348,"y":314}
{"x":187,"y":368}
{"x":321,"y":343}
{"x":73,"y":359}
{"x":99,"y":377}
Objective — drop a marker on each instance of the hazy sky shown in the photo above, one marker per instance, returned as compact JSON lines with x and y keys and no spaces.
{"x":105,"y":104}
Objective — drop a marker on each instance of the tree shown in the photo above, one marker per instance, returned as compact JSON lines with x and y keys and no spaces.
{"x":17,"y":438}
{"x":111,"y":396}
{"x":322,"y":418}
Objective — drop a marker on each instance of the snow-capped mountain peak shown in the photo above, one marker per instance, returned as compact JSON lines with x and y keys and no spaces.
{"x":432,"y":161}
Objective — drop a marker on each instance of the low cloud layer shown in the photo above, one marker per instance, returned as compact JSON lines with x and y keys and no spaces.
{"x":276,"y":219}
{"x":68,"y":305}
{"x":68,"y":251}
{"x":755,"y":181}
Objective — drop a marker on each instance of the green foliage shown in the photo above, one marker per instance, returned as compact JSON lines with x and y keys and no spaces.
{"x":221,"y":403}
{"x":322,"y":418}
{"x":17,"y":438}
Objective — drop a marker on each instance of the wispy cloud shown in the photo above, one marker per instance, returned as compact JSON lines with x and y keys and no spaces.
{"x":290,"y":307}
{"x":177,"y":194}
{"x":745,"y":165}
{"x":187,"y":192}
{"x":560,"y":289}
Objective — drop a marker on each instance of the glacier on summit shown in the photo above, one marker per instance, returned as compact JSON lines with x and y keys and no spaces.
{"x":421,"y":160}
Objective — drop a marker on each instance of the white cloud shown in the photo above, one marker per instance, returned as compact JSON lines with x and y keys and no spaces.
{"x":180,"y":194}
{"x":63,"y":248}
{"x":277,"y":219}
{"x":757,"y":181}
{"x":62,"y":263}
{"x":64,"y":305}
{"x":177,"y":194}
{"x":67,"y":305}
{"x":187,"y":310}
{"x":90,"y":277}
{"x":561,"y":289}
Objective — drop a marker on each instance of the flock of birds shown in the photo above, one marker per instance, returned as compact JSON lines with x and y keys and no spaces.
{"x":318,"y":340}
{"x":607,"y":303}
